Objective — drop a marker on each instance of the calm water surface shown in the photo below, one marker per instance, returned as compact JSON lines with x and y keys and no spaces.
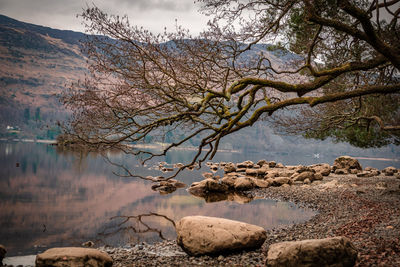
{"x":58,"y":198}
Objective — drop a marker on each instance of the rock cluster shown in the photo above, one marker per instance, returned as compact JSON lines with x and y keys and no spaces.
{"x":248,"y":175}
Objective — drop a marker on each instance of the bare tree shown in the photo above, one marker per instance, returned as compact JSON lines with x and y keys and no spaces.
{"x":226,"y":79}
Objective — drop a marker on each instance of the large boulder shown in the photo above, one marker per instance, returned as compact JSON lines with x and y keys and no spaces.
{"x":199,"y":235}
{"x":73,"y":257}
{"x":351,"y":165}
{"x":335,"y":251}
{"x":208,"y":185}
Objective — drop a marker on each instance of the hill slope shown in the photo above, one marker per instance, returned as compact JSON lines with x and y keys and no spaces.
{"x":36,"y":64}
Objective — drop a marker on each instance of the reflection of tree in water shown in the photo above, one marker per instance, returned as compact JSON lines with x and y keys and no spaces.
{"x":134,"y":226}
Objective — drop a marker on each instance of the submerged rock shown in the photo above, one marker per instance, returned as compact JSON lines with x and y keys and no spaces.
{"x":335,"y":251}
{"x":73,"y":256}
{"x":199,"y":235}
{"x":166,"y":187}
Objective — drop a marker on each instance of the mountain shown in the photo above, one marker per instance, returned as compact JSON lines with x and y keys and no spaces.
{"x":36,"y":64}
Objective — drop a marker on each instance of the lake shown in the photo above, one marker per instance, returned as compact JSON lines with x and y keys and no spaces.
{"x":52,"y":197}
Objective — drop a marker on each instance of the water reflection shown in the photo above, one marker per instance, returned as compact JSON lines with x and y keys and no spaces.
{"x":237,"y":197}
{"x":63,"y":198}
{"x":133,"y":225}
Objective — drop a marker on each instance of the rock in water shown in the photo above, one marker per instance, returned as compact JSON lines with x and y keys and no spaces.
{"x":74,"y":257}
{"x":346,"y":163}
{"x":335,"y":251}
{"x":199,"y":235}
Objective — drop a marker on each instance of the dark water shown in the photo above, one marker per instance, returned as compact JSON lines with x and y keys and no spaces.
{"x":59,"y":198}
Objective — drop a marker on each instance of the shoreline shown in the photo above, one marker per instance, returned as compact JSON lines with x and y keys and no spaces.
{"x":366,"y":210}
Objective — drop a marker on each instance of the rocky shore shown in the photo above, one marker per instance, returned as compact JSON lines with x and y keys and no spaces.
{"x":360,"y":204}
{"x":364,"y":209}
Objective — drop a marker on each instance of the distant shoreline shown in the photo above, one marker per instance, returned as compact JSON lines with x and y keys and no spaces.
{"x":148,"y":146}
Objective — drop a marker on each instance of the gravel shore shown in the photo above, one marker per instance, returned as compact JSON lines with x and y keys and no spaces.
{"x":366,"y":210}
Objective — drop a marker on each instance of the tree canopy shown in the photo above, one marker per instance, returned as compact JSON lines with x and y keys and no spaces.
{"x":344,"y":74}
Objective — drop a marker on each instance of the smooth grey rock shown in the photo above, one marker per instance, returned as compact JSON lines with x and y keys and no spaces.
{"x":199,"y":235}
{"x":334,"y":252}
{"x":73,"y":257}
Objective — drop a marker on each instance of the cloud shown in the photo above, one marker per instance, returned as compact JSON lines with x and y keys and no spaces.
{"x":166,"y":5}
{"x":151,"y":14}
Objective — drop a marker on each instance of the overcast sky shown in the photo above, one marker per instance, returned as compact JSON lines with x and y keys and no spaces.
{"x":152,"y":14}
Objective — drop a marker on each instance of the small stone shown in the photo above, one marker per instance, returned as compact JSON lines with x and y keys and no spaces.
{"x":88,"y":244}
{"x":279,"y":165}
{"x":365,"y":174}
{"x":318,"y":176}
{"x":229,"y":167}
{"x":261,"y":162}
{"x":3,"y":252}
{"x":381,"y":185}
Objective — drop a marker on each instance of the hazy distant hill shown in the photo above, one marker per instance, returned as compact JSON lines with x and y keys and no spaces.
{"x":36,"y":64}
